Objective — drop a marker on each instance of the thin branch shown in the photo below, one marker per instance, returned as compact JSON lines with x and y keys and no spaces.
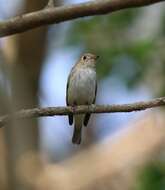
{"x":52,"y":111}
{"x":67,"y":12}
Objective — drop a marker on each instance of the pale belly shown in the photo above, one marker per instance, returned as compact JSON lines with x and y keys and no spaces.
{"x":82,"y":87}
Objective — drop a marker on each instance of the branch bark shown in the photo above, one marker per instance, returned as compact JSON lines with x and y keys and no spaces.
{"x":67,"y":12}
{"x":52,"y":111}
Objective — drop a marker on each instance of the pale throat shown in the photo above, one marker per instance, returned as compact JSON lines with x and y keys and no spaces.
{"x":88,"y":65}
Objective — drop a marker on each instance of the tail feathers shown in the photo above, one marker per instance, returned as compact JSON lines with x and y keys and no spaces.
{"x":76,"y":139}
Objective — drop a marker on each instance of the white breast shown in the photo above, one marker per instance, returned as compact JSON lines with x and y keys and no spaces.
{"x":82,"y":87}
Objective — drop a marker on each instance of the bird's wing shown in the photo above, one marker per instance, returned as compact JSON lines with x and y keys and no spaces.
{"x":68,"y":81}
{"x":95,"y":93}
{"x":67,"y":86}
{"x":87,"y":116}
{"x":70,"y":116}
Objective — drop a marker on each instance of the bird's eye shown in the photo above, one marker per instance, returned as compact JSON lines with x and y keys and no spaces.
{"x":84,"y":57}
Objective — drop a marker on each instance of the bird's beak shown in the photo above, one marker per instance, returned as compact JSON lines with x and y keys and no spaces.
{"x":97,"y":56}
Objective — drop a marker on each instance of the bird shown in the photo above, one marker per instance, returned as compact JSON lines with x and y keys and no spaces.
{"x":81,"y":90}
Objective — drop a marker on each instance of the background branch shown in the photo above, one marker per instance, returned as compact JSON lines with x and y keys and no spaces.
{"x":51,"y":3}
{"x":52,"y":111}
{"x":67,"y":12}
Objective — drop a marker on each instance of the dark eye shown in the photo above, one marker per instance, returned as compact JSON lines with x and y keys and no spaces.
{"x":84,"y":57}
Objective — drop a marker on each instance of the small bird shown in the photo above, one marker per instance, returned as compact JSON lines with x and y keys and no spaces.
{"x":81,"y":90}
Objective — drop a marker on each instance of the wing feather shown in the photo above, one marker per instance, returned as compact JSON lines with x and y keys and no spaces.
{"x":70,"y":116}
{"x":87,"y":116}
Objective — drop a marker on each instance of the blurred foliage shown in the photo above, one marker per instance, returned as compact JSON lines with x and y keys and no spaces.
{"x":128,"y":57}
{"x":152,"y":177}
{"x":111,"y":37}
{"x":163,"y":25}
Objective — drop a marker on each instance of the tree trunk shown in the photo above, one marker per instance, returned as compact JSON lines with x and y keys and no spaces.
{"x":22,"y":135}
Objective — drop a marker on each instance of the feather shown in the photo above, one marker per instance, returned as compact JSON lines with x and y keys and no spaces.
{"x":87,"y":116}
{"x":76,"y":139}
{"x":70,"y":116}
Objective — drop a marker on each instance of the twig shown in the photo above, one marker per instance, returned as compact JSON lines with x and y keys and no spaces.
{"x":67,"y":12}
{"x":52,"y":111}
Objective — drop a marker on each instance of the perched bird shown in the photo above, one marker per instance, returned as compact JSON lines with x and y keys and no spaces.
{"x":81,"y":90}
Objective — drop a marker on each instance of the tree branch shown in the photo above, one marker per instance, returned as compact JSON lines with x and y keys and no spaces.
{"x":52,"y":111}
{"x":67,"y":12}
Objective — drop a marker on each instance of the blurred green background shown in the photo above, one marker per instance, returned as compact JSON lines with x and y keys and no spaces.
{"x":131,"y":46}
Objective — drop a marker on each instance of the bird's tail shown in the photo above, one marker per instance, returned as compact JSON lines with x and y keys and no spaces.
{"x":76,"y":139}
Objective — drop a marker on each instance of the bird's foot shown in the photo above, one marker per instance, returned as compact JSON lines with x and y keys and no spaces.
{"x":74,"y":108}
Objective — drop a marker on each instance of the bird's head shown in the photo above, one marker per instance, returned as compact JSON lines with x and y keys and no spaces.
{"x":88,"y":59}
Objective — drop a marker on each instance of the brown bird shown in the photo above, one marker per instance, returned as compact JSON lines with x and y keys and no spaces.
{"x":81,"y":90}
